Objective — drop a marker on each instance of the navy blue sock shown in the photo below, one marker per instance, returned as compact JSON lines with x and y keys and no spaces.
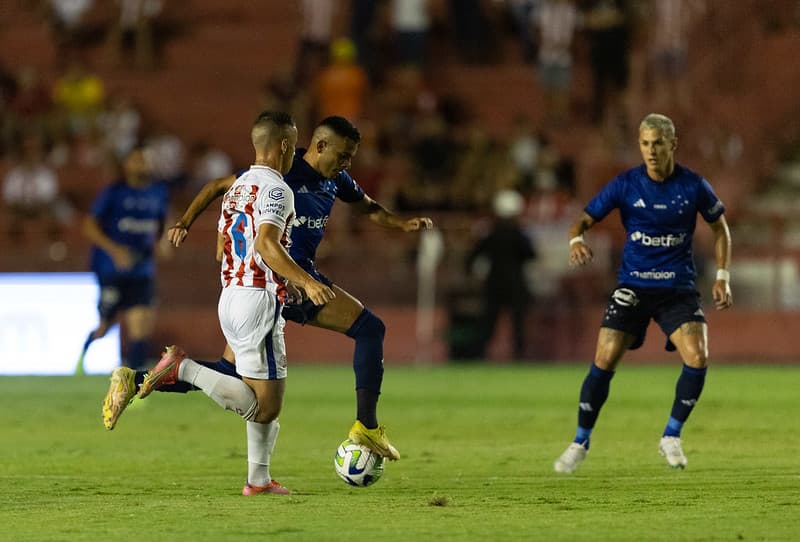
{"x":222,"y":366}
{"x":137,"y":354}
{"x":89,"y":340}
{"x":594,"y":393}
{"x":687,"y":392}
{"x":368,"y":331}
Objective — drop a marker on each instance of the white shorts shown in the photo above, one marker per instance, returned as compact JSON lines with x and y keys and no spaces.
{"x":253,"y":326}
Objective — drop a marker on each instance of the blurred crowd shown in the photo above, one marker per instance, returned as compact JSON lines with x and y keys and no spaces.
{"x":424,"y":146}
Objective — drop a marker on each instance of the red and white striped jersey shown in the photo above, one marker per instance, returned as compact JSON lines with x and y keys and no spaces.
{"x":258,"y":196}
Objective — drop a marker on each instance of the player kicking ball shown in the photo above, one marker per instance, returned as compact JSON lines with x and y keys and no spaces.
{"x":318,"y":177}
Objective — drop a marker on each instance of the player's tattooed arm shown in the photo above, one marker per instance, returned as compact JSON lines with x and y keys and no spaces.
{"x":210,"y":191}
{"x":380,"y":215}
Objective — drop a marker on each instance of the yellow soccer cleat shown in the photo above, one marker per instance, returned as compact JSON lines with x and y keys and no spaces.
{"x":374,"y":439}
{"x":119,"y":395}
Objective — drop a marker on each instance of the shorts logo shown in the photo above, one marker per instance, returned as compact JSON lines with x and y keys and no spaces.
{"x":625,"y":297}
{"x":275,"y":193}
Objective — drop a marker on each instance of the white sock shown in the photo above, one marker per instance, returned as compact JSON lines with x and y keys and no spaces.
{"x":228,"y":392}
{"x":261,"y":438}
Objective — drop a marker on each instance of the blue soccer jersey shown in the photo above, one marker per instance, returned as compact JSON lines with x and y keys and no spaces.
{"x":133,"y":217}
{"x":659,"y":220}
{"x":314,"y":197}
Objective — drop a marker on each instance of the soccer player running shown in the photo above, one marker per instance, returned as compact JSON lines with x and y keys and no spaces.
{"x":124,"y":226}
{"x":253,"y":233}
{"x":318,"y":177}
{"x":658,"y":203}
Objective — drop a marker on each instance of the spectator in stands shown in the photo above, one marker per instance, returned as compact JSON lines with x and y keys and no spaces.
{"x":523,"y":12}
{"x":363,"y":32}
{"x":135,"y":29}
{"x":67,"y":20}
{"x":341,"y":88}
{"x":556,"y":23}
{"x":669,"y":50}
{"x":120,"y":125}
{"x":205,"y":164}
{"x":524,"y":150}
{"x":609,"y":26}
{"x":410,"y":21}
{"x":315,"y":39}
{"x":79,"y":96}
{"x":166,"y":156}
{"x":501,"y":260}
{"x":30,"y":104}
{"x":31,"y":193}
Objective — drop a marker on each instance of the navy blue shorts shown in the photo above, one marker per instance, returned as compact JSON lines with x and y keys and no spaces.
{"x":630,"y":310}
{"x":305,"y":310}
{"x":121,"y":293}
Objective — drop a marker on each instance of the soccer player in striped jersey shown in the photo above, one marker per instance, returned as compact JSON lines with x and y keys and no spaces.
{"x":658,"y":203}
{"x":254,"y":229}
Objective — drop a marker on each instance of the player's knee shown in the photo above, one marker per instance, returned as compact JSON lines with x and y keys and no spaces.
{"x":697,"y":359}
{"x":367,"y":325}
{"x":267,"y":412}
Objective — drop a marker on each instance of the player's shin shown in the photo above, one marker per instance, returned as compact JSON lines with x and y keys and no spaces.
{"x":687,"y":392}
{"x":368,"y":332}
{"x":228,"y":392}
{"x":261,"y":438}
{"x":594,"y":393}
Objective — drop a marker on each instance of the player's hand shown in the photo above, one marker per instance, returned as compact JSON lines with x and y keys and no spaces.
{"x":318,"y":293}
{"x":123,"y":258}
{"x":580,"y":254}
{"x":721,"y":292}
{"x":177,"y":233}
{"x":294,"y":294}
{"x":418,"y":223}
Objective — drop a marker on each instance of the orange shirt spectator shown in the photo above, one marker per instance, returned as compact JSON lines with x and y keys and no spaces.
{"x":341,"y":88}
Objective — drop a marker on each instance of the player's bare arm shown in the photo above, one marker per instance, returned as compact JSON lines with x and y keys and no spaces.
{"x":579,"y":252}
{"x":268,"y":245}
{"x":210,"y":191}
{"x":382,"y":216}
{"x":721,"y":291}
{"x":122,"y":256}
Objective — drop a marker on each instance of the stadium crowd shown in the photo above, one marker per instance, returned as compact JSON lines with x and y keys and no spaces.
{"x":596,"y":66}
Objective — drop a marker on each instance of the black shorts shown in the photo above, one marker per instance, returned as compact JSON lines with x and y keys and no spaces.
{"x":630,"y":310}
{"x":121,"y":293}
{"x":305,"y":310}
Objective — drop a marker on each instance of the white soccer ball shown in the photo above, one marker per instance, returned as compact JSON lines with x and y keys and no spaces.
{"x":357,"y":465}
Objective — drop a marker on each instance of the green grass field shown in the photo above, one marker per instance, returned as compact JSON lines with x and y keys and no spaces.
{"x":478,"y":445}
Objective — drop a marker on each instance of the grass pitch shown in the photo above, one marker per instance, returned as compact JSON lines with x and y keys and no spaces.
{"x":478,"y":445}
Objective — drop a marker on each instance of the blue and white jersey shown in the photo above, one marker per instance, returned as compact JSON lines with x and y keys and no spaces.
{"x":314,"y":197}
{"x":133,"y":217}
{"x":659,"y":220}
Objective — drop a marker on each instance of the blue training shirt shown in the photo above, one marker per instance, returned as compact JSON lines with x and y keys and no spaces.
{"x":314,"y":197}
{"x":133,"y":217}
{"x":659,"y":220}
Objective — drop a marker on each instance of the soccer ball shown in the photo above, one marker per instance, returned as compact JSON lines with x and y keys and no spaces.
{"x":357,"y":465}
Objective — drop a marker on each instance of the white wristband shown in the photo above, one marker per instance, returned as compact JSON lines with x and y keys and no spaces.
{"x":576,"y":239}
{"x":723,"y":274}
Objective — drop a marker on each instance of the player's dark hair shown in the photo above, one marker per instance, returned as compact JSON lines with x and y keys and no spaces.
{"x":342,"y":127}
{"x":279,"y":118}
